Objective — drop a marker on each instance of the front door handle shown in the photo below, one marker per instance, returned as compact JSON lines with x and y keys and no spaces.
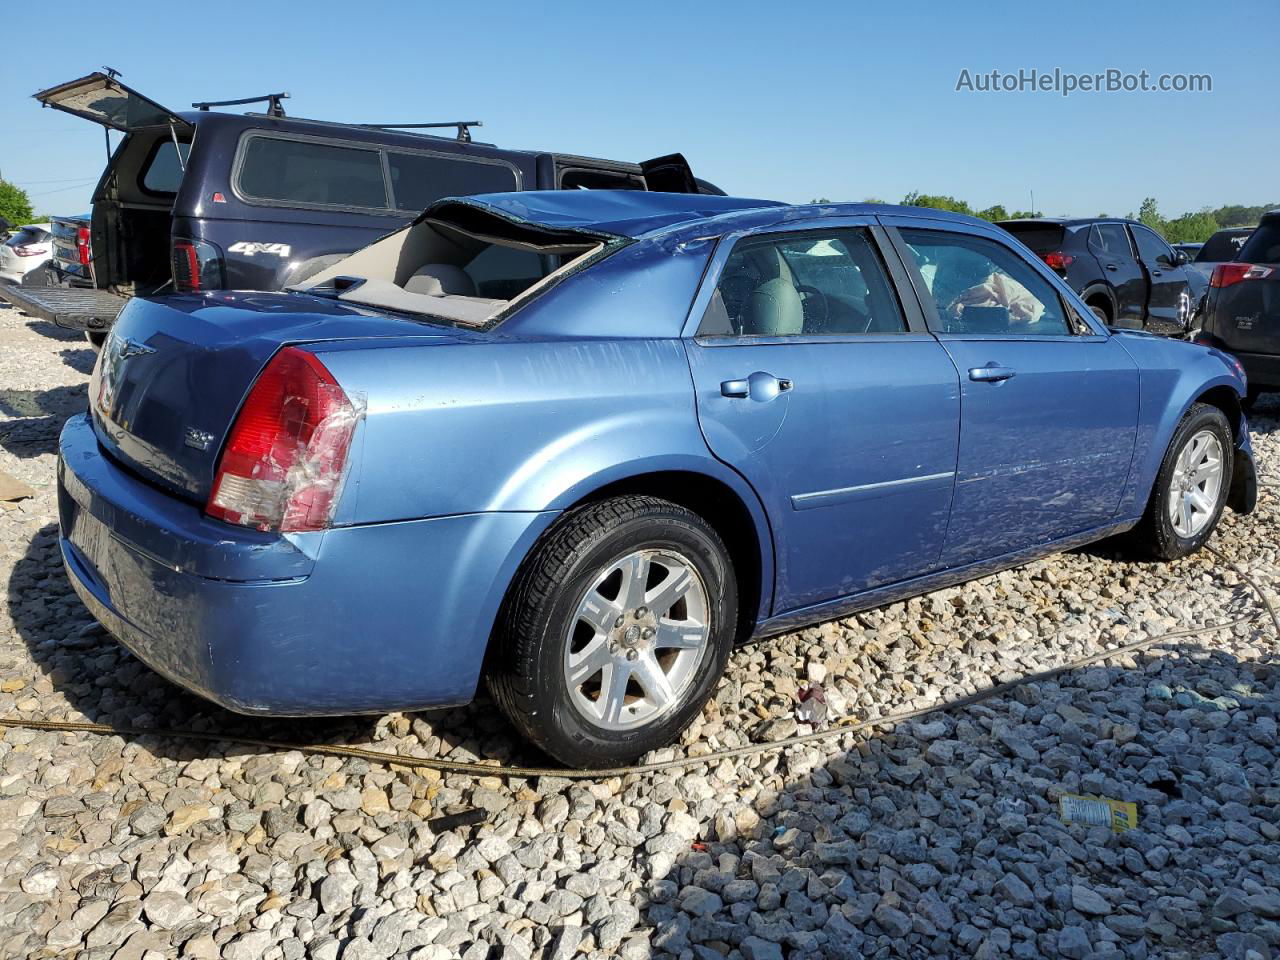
{"x":759,"y":386}
{"x":1112,"y":267}
{"x":992,"y":373}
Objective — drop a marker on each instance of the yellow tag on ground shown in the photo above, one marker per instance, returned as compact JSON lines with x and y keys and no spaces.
{"x":1119,"y":815}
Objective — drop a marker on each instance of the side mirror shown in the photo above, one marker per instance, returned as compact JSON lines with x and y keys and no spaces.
{"x":1180,"y":258}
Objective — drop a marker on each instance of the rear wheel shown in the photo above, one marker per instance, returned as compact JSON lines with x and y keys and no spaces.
{"x":616,"y":631}
{"x":1191,"y":487}
{"x":1100,"y":311}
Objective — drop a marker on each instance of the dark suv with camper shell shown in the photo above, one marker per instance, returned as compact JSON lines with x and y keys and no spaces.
{"x":1126,"y":273}
{"x":206,"y":200}
{"x":1242,"y":310}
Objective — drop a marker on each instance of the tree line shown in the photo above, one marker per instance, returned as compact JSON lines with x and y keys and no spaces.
{"x":1191,"y":227}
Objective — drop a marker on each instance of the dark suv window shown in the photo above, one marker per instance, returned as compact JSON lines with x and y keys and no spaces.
{"x":1151,"y":247}
{"x":1109,"y":238}
{"x":164,"y":170}
{"x":1263,"y":246}
{"x":420,"y":179}
{"x":307,"y":172}
{"x":1222,"y":246}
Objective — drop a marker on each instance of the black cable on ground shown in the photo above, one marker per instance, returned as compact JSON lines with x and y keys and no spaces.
{"x":839,"y":729}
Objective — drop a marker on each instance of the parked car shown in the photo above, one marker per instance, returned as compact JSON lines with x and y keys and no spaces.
{"x":24,"y":250}
{"x":1242,"y":310}
{"x":1126,"y":273}
{"x":649,"y":427}
{"x":207,"y":200}
{"x":1223,"y":247}
{"x":1190,"y":249}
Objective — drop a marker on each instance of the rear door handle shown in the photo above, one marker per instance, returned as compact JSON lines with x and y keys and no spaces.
{"x":758,"y":386}
{"x":1112,"y":267}
{"x":992,"y":373}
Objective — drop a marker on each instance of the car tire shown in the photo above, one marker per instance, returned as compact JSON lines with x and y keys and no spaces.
{"x":1100,"y":313}
{"x":1159,"y":534}
{"x":577,"y":643}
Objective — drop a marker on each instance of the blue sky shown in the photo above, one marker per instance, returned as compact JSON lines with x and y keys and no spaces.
{"x":788,"y":101}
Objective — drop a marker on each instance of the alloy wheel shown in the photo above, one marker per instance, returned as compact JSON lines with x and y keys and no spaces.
{"x":1196,"y":484}
{"x":636,"y":639}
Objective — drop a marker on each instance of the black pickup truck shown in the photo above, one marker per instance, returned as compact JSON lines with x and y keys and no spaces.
{"x":206,"y":200}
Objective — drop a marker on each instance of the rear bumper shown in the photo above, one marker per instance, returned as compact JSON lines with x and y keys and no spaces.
{"x":1262,"y":369}
{"x":392,"y":616}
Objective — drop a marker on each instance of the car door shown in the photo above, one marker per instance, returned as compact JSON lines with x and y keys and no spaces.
{"x":1110,"y":246}
{"x":1170,"y":300}
{"x":840,"y":410}
{"x":1049,"y":401}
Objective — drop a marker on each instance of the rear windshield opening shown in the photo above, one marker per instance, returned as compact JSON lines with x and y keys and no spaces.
{"x":441,"y":271}
{"x":1263,"y":245}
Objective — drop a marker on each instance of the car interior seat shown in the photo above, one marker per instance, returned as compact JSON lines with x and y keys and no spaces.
{"x":439,"y":280}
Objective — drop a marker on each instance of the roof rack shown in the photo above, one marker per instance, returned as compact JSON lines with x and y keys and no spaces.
{"x":464,"y":127}
{"x":274,"y":108}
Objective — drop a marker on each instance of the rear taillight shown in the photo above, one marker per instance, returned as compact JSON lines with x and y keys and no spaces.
{"x":26,"y":250}
{"x":1058,"y":260}
{"x":1225,"y":274}
{"x":197,"y":266}
{"x":283,"y":464}
{"x":82,"y":246}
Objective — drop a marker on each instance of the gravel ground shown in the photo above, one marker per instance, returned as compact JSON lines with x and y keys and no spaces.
{"x":940,"y":837}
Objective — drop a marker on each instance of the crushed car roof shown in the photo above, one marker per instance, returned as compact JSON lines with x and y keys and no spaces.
{"x":638,"y":213}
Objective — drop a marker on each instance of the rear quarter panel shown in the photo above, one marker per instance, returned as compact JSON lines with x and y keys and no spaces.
{"x":1173,"y":374}
{"x":512,"y":424}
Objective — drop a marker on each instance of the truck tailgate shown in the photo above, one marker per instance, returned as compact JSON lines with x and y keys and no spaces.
{"x":76,"y":308}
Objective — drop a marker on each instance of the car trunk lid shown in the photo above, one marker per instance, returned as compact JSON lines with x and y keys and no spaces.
{"x":174,"y":373}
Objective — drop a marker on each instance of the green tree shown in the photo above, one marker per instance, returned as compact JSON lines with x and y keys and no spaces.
{"x":937,"y":202}
{"x":15,"y":205}
{"x":1149,"y":215}
{"x":994,"y":213}
{"x":1192,"y":227}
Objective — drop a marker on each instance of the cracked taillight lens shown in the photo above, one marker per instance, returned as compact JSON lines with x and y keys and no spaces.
{"x":284,"y":459}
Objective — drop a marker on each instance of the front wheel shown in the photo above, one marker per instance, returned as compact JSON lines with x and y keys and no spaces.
{"x":616,"y":631}
{"x":1191,"y":488}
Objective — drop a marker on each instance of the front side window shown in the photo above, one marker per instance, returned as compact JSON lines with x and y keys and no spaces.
{"x":982,"y":287}
{"x":1150,"y":247}
{"x":306,"y":172}
{"x":420,"y":179}
{"x":1109,"y":238}
{"x":827,"y":283}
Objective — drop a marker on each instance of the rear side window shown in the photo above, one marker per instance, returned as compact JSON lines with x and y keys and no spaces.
{"x":827,"y":283}
{"x":420,"y":179}
{"x":983,"y":288}
{"x":1264,"y":244}
{"x":1110,"y":239}
{"x":306,"y":172}
{"x":164,"y":170}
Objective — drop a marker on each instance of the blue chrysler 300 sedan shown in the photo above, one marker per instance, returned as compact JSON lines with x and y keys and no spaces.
{"x":582,"y":443}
